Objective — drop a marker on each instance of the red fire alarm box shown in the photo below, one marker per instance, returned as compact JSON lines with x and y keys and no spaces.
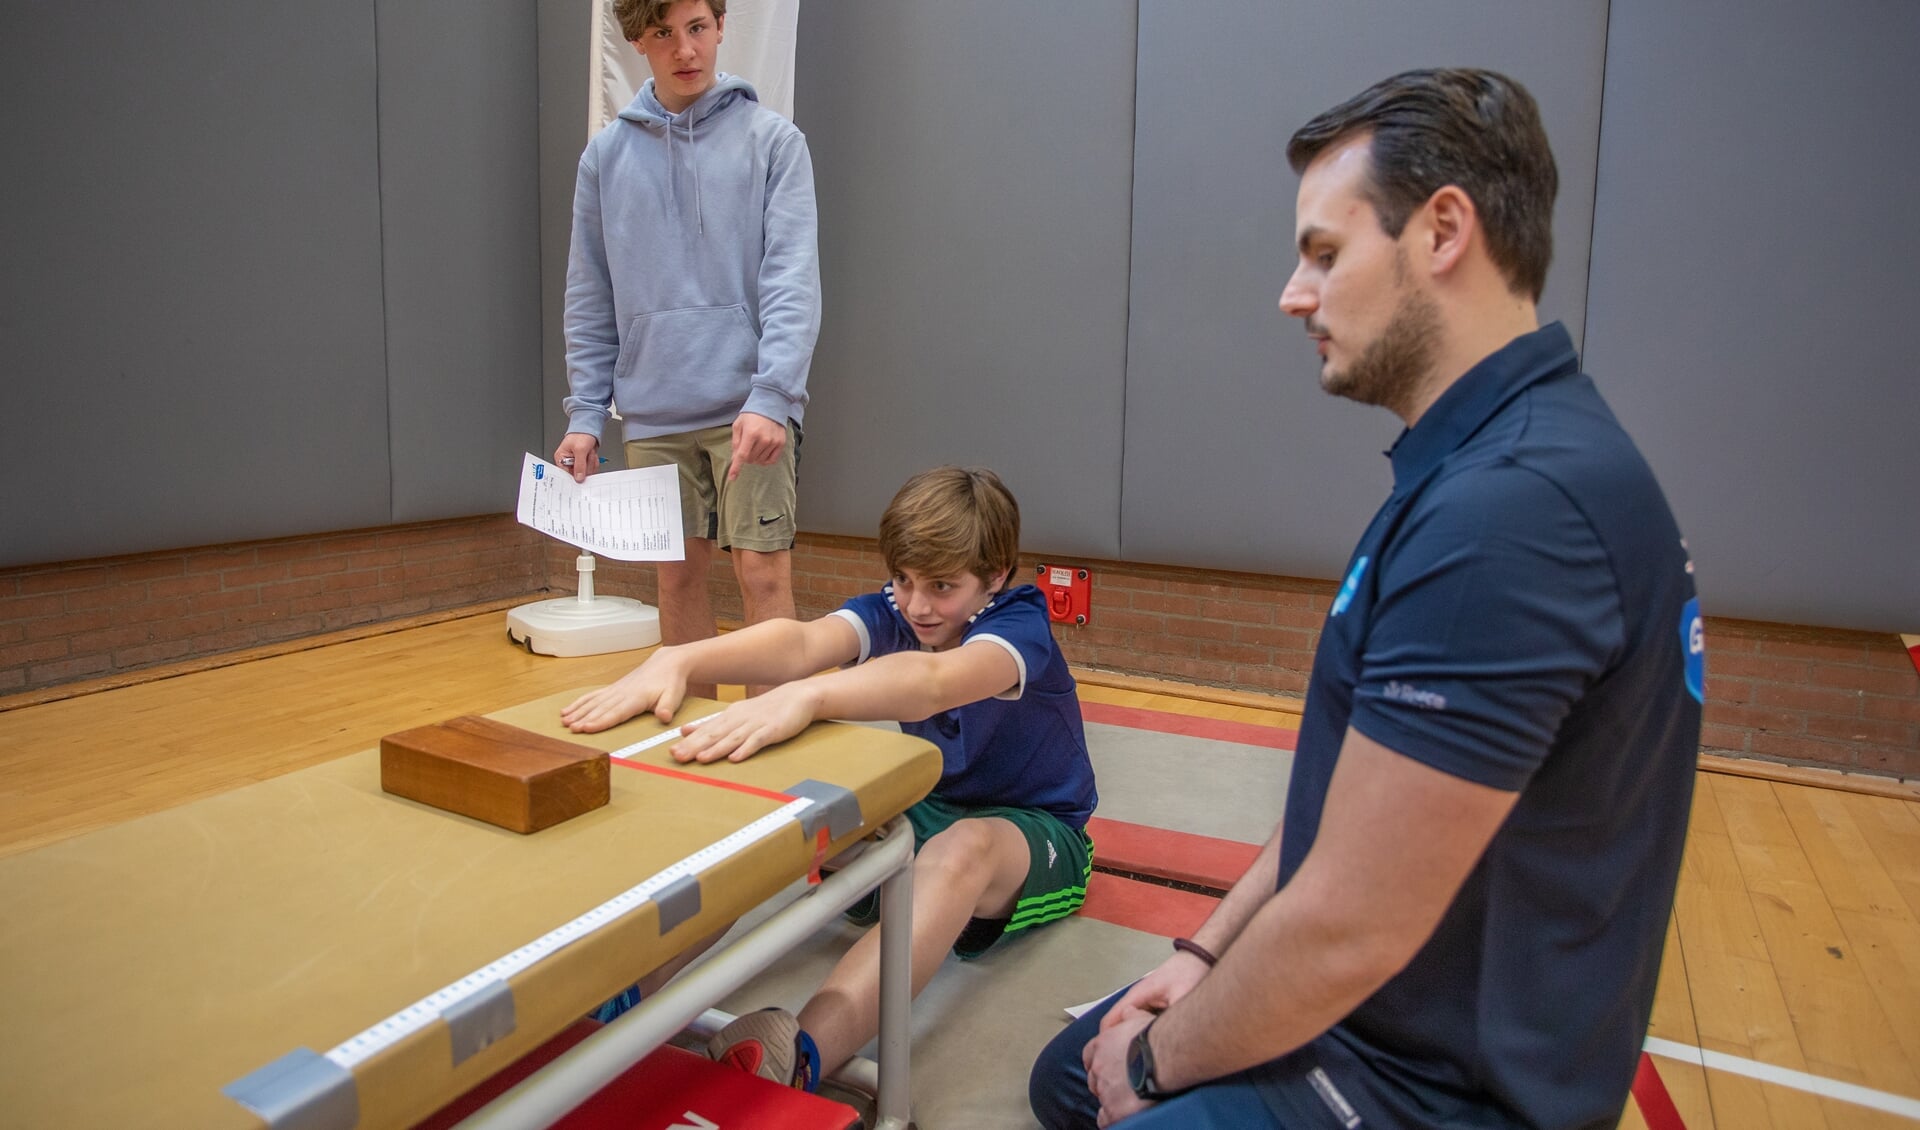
{"x":1069,"y":592}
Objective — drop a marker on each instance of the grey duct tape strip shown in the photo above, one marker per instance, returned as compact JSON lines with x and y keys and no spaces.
{"x":302,"y":1090}
{"x":479,"y":1020}
{"x":832,"y":803}
{"x":678,"y":901}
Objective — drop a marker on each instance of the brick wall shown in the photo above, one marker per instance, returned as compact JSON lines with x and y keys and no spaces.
{"x":1802,"y":696}
{"x":1237,"y":630}
{"x":1806,"y":696}
{"x":1849,"y":700}
{"x":86,"y":619}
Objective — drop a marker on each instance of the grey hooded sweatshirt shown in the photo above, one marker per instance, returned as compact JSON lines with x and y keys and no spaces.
{"x":693,"y":280}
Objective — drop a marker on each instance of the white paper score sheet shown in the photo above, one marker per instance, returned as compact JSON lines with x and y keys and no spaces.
{"x":631,"y":515}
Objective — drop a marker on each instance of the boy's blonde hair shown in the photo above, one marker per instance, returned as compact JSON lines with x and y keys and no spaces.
{"x":636,"y":16}
{"x":952,"y":520}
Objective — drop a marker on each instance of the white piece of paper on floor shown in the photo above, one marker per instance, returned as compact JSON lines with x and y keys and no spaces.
{"x":631,"y":515}
{"x":1078,"y":1010}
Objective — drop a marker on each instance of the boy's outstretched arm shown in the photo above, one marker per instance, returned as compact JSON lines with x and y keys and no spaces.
{"x":903,"y":687}
{"x":772,"y":651}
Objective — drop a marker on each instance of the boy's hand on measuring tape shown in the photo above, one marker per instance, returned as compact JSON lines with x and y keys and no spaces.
{"x":747,"y":727}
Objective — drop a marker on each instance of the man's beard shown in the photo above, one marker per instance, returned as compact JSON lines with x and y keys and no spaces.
{"x":1389,"y":373}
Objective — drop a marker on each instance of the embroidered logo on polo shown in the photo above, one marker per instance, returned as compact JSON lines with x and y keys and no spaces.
{"x":1351,"y":587}
{"x":1414,"y":696}
{"x":1336,"y":1102}
{"x":1693,"y":642}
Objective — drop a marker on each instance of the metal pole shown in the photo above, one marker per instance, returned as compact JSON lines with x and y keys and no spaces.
{"x":549,"y":1093}
{"x":896,"y":996}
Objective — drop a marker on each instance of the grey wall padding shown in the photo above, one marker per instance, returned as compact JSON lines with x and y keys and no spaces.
{"x":460,"y":195}
{"x":564,"y":26}
{"x":277,"y":270}
{"x":1234,"y":457}
{"x":1064,"y":263}
{"x":1753,"y":283}
{"x":271,"y":270}
{"x":190,"y":308}
{"x":973,"y":164}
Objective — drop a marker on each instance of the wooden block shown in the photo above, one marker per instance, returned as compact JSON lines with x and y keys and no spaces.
{"x":491,"y":771}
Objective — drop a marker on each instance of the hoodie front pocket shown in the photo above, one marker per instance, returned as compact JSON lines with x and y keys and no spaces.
{"x":685,"y":366}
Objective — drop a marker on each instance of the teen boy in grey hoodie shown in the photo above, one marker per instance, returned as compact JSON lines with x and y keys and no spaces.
{"x":692,"y":306}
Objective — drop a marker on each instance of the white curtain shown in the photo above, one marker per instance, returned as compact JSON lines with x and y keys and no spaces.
{"x":758,"y":46}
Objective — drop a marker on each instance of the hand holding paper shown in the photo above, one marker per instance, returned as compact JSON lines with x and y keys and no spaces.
{"x":631,"y":515}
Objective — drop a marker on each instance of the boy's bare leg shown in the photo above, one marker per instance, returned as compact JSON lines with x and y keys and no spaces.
{"x":766,"y":588}
{"x":973,"y":869}
{"x":686,"y":615}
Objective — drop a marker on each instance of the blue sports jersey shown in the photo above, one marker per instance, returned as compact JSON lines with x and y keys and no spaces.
{"x":1520,"y":613}
{"x":1025,"y":748}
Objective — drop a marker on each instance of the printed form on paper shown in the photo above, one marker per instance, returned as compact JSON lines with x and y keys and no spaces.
{"x":631,"y":515}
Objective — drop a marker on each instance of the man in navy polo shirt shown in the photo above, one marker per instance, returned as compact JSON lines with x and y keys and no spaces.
{"x":1459,"y":921}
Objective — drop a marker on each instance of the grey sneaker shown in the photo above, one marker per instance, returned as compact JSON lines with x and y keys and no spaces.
{"x":760,"y":1043}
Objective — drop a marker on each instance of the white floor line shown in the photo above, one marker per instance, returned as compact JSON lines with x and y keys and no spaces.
{"x":1787,"y":1077}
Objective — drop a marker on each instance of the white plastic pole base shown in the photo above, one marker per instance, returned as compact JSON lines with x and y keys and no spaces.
{"x":567,"y":627}
{"x":585,"y":624}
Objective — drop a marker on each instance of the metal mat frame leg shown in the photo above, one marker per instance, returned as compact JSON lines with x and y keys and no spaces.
{"x":549,"y":1093}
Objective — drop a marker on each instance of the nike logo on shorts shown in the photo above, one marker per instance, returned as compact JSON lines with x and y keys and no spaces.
{"x":772,"y":520}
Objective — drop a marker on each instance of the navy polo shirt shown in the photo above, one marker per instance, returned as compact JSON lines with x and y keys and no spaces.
{"x":1521,"y":614}
{"x":1024,"y":748}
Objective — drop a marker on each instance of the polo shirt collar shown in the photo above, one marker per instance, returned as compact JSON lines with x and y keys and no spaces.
{"x":1475,"y":397}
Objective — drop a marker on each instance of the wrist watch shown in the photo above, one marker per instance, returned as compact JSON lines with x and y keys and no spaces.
{"x":1140,"y":1066}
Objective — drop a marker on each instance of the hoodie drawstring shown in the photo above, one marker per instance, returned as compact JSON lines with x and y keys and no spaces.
{"x":673,"y":179}
{"x":646,"y":110}
{"x":673,"y":174}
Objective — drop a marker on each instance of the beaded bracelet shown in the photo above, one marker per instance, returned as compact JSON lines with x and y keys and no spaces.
{"x":1188,"y":945}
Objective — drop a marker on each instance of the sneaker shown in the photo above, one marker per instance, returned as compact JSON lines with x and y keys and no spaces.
{"x":770,"y":1044}
{"x":866,"y":912}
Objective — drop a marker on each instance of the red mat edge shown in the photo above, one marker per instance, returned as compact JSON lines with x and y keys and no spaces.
{"x":1184,"y":857}
{"x":1145,"y":907}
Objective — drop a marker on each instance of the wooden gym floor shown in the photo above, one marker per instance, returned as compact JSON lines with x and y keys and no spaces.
{"x":1790,"y":992}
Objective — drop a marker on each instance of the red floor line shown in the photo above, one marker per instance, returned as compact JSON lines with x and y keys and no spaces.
{"x":1159,"y":721}
{"x":1650,"y":1095}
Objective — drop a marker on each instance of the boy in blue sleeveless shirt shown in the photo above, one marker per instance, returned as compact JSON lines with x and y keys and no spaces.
{"x":958,"y":658}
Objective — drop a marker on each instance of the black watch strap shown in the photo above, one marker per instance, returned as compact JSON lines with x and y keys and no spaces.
{"x":1140,"y":1066}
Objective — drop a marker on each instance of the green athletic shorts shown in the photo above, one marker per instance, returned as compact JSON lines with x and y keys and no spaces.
{"x":1062,"y":859}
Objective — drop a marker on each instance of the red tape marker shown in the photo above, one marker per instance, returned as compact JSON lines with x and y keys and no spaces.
{"x":736,"y":786}
{"x":820,"y":841}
